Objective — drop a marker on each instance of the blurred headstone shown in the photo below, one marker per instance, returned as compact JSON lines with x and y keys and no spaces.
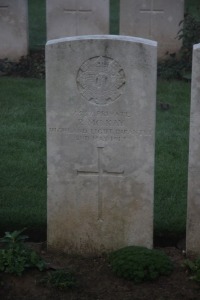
{"x":153,"y":19}
{"x":80,"y":17}
{"x":193,"y":206}
{"x":13,"y":29}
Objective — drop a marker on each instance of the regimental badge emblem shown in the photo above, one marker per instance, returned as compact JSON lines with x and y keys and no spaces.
{"x":101,"y":80}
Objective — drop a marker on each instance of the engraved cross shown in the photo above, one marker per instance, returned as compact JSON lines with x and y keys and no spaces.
{"x":77,"y":12}
{"x":152,"y":12}
{"x":100,"y":173}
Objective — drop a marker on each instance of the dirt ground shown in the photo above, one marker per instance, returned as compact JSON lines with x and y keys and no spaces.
{"x":97,"y":282}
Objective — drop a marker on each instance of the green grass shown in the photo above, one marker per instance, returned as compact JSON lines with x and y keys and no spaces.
{"x":37,"y":24}
{"x":114,"y":16}
{"x":193,"y":7}
{"x":22,"y":153}
{"x":23,"y":156}
{"x":172,"y":157}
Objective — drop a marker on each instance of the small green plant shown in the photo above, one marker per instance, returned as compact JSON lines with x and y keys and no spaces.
{"x":16,"y":256}
{"x":179,"y":66}
{"x":14,"y":239}
{"x":194,"y":268}
{"x":61,"y":279}
{"x":140,"y":264}
{"x":190,"y":35}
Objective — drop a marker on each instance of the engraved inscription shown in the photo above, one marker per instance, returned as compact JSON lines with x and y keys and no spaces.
{"x":103,"y":135}
{"x":100,"y":173}
{"x":101,"y":126}
{"x":101,"y":80}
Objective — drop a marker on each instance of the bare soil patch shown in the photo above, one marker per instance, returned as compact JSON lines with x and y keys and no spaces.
{"x":97,"y":282}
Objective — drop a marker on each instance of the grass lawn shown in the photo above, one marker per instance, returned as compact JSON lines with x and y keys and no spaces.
{"x":23,"y":155}
{"x":114,"y":16}
{"x":193,"y":7}
{"x":172,"y":133}
{"x":23,"y":150}
{"x":37,"y":24}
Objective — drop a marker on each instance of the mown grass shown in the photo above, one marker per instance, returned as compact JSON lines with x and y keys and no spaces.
{"x":172,"y":133}
{"x":193,"y":7}
{"x":23,"y":151}
{"x":37,"y":24}
{"x":23,"y":155}
{"x":114,"y":16}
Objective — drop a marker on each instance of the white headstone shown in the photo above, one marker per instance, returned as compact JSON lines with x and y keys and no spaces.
{"x":193,"y":215}
{"x":13,"y":29}
{"x":76,"y":17}
{"x":101,"y":93}
{"x":154,"y":19}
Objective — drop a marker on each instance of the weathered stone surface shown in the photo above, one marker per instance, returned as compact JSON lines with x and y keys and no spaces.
{"x":154,"y":19}
{"x":77,"y":17}
{"x":101,"y":93}
{"x":193,"y":215}
{"x":13,"y":29}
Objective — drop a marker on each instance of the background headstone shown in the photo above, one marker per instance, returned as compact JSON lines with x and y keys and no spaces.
{"x":13,"y":29}
{"x":76,"y":17}
{"x":193,"y":215}
{"x":154,"y":19}
{"x":101,"y":93}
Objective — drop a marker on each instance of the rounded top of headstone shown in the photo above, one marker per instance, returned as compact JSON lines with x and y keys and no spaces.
{"x":196,"y":46}
{"x":104,"y":37}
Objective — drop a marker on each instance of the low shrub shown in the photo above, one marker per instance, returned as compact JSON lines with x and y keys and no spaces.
{"x":140,"y":264}
{"x":32,"y":65}
{"x":179,"y":66}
